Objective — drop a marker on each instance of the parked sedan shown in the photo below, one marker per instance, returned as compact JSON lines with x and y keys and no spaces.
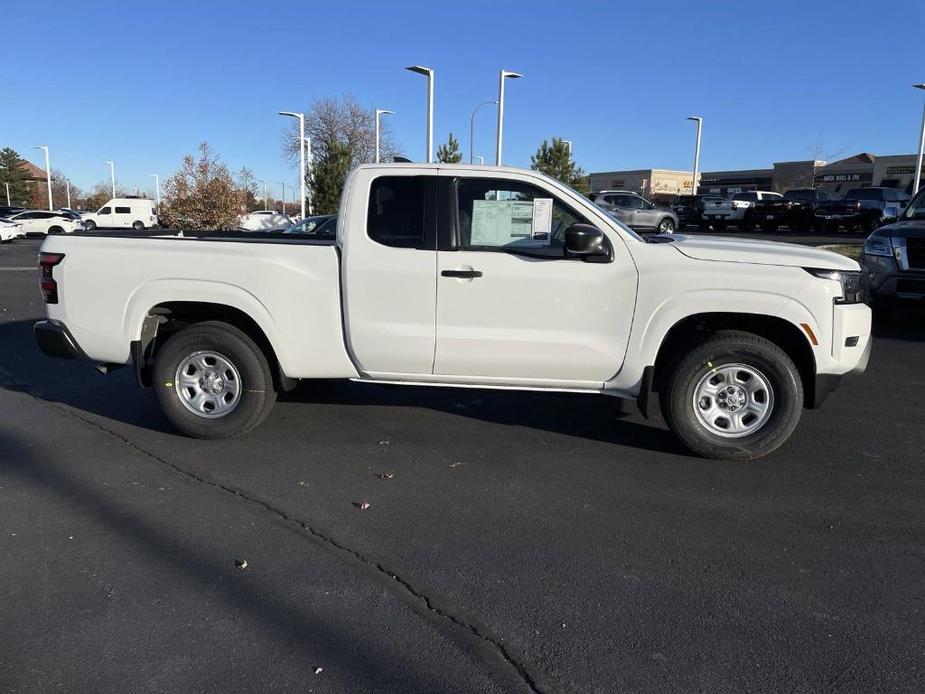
{"x":894,"y":256}
{"x":265,"y":220}
{"x":321,"y":226}
{"x":43,"y":222}
{"x":10,"y":231}
{"x":636,"y":212}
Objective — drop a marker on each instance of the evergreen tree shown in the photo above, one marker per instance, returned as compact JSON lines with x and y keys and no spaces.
{"x":449,"y":153}
{"x":18,"y":178}
{"x":328,"y":177}
{"x":555,"y":160}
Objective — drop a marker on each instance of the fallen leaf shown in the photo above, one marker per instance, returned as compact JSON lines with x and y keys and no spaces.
{"x":456,"y":464}
{"x":318,"y":670}
{"x":383,"y":443}
{"x":362,"y":505}
{"x":386,"y":475}
{"x":241,"y":563}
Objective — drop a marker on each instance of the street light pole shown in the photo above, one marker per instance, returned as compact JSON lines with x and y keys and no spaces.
{"x":284,"y":195}
{"x":568,"y":143}
{"x":429,"y":73}
{"x":480,"y":158}
{"x":67,"y":188}
{"x":301,"y":117}
{"x":699,"y":121}
{"x":47,"y":172}
{"x":472,"y":129}
{"x":380,"y":112}
{"x":918,"y":164}
{"x":112,"y":175}
{"x":157,"y":189}
{"x":8,"y":204}
{"x":264,"y":194}
{"x":502,"y":75}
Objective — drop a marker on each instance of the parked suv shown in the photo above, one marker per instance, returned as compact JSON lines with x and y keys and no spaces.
{"x":43,"y":222}
{"x":689,"y":209}
{"x":894,"y":256}
{"x":736,"y":210}
{"x":636,"y":212}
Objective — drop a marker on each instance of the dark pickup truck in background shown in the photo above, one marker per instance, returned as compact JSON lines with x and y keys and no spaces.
{"x":894,"y":257}
{"x":689,"y":209}
{"x":862,"y":208}
{"x":796,"y":210}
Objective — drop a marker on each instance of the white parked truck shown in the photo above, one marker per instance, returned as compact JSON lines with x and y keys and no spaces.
{"x":451,"y":275}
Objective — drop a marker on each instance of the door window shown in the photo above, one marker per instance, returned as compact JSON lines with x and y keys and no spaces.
{"x":104,"y":210}
{"x":396,"y":211}
{"x":501,"y":215}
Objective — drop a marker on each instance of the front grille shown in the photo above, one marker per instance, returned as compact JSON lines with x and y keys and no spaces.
{"x":910,"y":286}
{"x":915,"y":252}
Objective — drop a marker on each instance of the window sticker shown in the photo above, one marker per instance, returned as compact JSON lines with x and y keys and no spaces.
{"x":510,"y":223}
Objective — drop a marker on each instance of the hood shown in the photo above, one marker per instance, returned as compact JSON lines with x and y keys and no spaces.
{"x":760,"y":252}
{"x":907,"y":228}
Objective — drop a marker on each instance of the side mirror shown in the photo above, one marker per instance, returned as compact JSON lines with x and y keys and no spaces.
{"x":587,"y":241}
{"x":651,"y":206}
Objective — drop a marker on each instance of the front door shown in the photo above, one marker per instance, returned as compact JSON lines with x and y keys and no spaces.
{"x":512,"y":308}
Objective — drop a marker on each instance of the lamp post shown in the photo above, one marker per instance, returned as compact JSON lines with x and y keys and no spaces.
{"x":67,"y":188}
{"x":7,"y":194}
{"x":112,"y":175}
{"x":480,"y":158}
{"x":699,"y":121}
{"x":157,"y":189}
{"x":472,"y":129}
{"x":918,"y":164}
{"x":284,"y":195}
{"x":429,"y":73}
{"x":380,"y":112}
{"x":301,"y":117}
{"x":568,"y":143}
{"x":502,"y":75}
{"x":47,"y":172}
{"x":264,"y":194}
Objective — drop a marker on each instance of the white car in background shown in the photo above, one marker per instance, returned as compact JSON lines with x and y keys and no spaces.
{"x":123,"y":213}
{"x":10,"y":231}
{"x":735,"y":210}
{"x":265,"y":220}
{"x":44,"y":222}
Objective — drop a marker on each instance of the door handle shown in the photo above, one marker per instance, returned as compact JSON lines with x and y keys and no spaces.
{"x":461,"y":274}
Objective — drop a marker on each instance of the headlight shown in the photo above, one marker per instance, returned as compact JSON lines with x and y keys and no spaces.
{"x":850,"y":280}
{"x":878,"y":245}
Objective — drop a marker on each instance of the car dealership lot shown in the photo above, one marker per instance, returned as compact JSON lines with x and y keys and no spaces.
{"x":547,"y":542}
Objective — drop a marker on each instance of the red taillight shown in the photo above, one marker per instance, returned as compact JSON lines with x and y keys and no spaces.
{"x":47,"y":262}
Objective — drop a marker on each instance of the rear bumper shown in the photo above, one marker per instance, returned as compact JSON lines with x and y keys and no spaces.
{"x":55,"y":340}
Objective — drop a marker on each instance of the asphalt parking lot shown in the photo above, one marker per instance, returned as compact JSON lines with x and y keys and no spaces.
{"x":524,"y":542}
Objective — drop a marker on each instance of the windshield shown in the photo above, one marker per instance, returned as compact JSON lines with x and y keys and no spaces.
{"x":916,"y":208}
{"x":862,"y":194}
{"x":799,"y":195}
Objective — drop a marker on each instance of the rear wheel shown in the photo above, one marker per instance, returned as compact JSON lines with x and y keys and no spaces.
{"x":138,"y":225}
{"x":737,"y":396}
{"x":55,"y":230}
{"x":666,"y":226}
{"x":212,"y":381}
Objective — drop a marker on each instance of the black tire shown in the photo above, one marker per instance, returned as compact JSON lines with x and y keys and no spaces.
{"x":720,"y":225}
{"x":55,"y":230}
{"x":256,"y":391}
{"x":746,"y":225}
{"x":89,"y":225}
{"x":666,"y":225}
{"x":769,"y":228}
{"x":138,"y":225}
{"x":725,"y":348}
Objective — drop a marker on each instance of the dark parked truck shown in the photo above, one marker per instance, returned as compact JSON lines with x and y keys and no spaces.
{"x":894,"y":256}
{"x":862,"y":208}
{"x":797,"y":210}
{"x":689,"y":209}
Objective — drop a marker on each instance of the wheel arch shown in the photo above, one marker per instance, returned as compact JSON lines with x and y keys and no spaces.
{"x":165,"y":318}
{"x":696,"y":328}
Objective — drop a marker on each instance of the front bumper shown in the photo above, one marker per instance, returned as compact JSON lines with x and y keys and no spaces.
{"x":56,"y":340}
{"x":884,"y":279}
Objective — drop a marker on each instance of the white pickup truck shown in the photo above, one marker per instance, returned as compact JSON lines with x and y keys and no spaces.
{"x":476,"y":277}
{"x":735,"y":209}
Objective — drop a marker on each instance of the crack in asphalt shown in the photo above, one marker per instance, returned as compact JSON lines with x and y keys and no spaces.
{"x":8,"y":379}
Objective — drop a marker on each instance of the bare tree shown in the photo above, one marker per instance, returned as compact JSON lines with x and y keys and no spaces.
{"x":202,"y":194}
{"x":819,"y":159}
{"x":344,"y":120}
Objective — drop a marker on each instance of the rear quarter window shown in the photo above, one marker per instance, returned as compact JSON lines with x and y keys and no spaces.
{"x":123,"y":210}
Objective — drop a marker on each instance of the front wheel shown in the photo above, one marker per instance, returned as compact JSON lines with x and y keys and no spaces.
{"x":737,"y":396}
{"x":90,"y":225}
{"x":666,"y":226}
{"x":212,"y":381}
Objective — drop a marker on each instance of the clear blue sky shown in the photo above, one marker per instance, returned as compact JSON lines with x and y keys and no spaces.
{"x":143,"y":82}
